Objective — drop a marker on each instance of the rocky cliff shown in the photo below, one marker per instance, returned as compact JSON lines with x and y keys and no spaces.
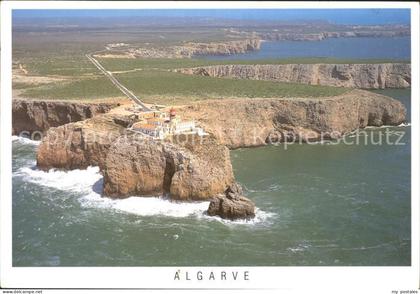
{"x":288,"y":36}
{"x":233,"y":122}
{"x":79,"y":144}
{"x":226,"y":48}
{"x":185,"y":171}
{"x":132,"y":164}
{"x":367,"y":76}
{"x":31,"y":115}
{"x":255,"y":122}
{"x":189,"y":49}
{"x":193,"y":168}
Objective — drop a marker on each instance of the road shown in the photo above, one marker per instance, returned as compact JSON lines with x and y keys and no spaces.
{"x":117,"y":83}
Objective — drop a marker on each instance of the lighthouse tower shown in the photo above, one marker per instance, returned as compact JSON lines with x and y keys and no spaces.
{"x":172,"y":113}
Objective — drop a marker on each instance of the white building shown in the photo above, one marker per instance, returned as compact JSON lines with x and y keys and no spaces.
{"x":159,"y":126}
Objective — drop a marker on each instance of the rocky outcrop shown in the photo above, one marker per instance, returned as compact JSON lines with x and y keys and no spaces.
{"x":256,"y":122}
{"x":226,"y":48}
{"x":32,"y":115}
{"x":367,"y":76}
{"x":188,"y":50}
{"x":232,"y":204}
{"x":190,"y":168}
{"x":195,"y":169}
{"x":233,"y":122}
{"x":78,"y":145}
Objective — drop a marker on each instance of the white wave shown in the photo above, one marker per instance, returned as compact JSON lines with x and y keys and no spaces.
{"x":260,"y":217}
{"x":75,"y":180}
{"x":299,"y":248}
{"x":389,"y":126}
{"x":405,"y":125}
{"x":88,"y":183}
{"x":147,"y":206}
{"x":24,"y":140}
{"x":322,"y":142}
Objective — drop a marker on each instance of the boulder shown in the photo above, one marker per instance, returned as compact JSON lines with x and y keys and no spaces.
{"x":232,"y":205}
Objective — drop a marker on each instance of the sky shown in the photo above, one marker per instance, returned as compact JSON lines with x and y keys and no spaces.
{"x":338,"y":16}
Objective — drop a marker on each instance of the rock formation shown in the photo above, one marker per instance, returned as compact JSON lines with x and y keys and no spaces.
{"x":133,"y":164}
{"x":254,"y":122}
{"x":189,"y":49}
{"x":195,"y":169}
{"x":79,"y":144}
{"x":192,"y":168}
{"x":232,"y":204}
{"x":32,"y":115}
{"x":367,"y":76}
{"x":319,"y":36}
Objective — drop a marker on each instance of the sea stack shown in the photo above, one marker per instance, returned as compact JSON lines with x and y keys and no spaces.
{"x":232,"y":204}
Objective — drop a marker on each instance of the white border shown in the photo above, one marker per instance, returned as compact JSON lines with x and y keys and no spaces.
{"x":325,"y":279}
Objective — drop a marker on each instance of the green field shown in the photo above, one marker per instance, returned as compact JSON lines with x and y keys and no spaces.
{"x":94,"y":88}
{"x":153,"y":82}
{"x":159,"y":86}
{"x":74,"y":66}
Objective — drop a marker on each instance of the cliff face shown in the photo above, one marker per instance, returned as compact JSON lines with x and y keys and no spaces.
{"x":30,"y":116}
{"x":227,"y":48}
{"x":255,"y":122}
{"x":184,"y":171}
{"x":132,"y":164}
{"x":275,"y":36}
{"x":79,"y":144}
{"x":190,"y":49}
{"x":367,"y":76}
{"x":187,"y":168}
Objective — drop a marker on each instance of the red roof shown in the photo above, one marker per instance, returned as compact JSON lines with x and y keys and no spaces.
{"x":144,"y":126}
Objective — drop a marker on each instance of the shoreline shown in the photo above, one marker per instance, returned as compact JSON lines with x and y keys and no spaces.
{"x":182,"y":168}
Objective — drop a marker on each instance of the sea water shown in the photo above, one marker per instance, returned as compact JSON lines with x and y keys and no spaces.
{"x":350,"y":48}
{"x":321,"y":204}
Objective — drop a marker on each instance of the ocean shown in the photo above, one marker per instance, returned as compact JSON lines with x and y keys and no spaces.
{"x":318,"y":204}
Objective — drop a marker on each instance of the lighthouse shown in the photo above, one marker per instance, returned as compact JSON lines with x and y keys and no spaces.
{"x":172,"y":113}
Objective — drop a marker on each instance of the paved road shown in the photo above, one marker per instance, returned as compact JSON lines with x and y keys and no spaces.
{"x":117,"y":83}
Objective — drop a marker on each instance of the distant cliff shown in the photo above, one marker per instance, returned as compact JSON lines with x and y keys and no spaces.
{"x":367,"y":76}
{"x":224,"y":48}
{"x":35,"y":115}
{"x":283,"y":36}
{"x":188,"y":50}
{"x":256,"y":122}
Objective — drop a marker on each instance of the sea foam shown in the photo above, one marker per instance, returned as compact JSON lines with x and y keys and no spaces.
{"x":87,"y":184}
{"x":402,"y":125}
{"x":25,"y":141}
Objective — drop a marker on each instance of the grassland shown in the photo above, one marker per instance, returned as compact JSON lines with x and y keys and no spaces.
{"x":161,"y":86}
{"x":69,"y":66}
{"x":85,"y":89}
{"x":152,"y":80}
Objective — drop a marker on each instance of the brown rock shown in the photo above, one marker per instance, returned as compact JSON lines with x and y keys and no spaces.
{"x":255,"y":122}
{"x":190,"y":169}
{"x":232,"y":205}
{"x":190,"y":49}
{"x":78,"y":145}
{"x":184,"y":171}
{"x":32,"y":115}
{"x":372,"y":76}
